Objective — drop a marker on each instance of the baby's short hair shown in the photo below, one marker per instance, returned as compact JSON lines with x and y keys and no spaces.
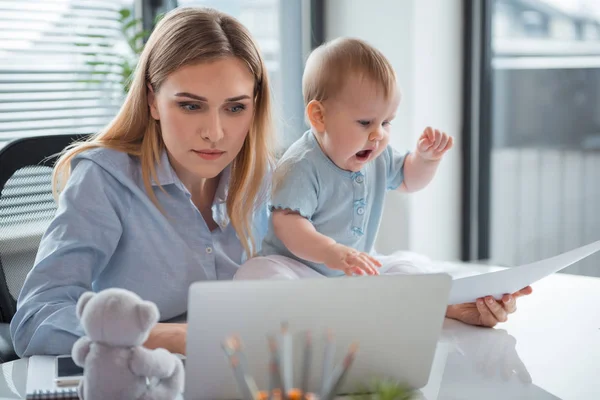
{"x":330,"y":65}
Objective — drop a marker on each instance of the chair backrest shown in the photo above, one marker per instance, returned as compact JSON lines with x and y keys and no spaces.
{"x":26,"y":208}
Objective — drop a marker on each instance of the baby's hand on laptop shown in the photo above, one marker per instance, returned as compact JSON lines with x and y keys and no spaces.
{"x":350,"y":261}
{"x":433,"y":144}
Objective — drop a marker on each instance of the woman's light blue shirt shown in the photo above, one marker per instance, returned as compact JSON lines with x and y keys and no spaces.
{"x":108,"y":233}
{"x":346,"y":206}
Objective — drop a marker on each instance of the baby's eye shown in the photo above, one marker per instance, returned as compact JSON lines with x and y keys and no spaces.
{"x":386,"y":123}
{"x":364,"y":122}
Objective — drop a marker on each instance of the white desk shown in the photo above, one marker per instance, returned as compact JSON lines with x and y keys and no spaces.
{"x":554,"y":338}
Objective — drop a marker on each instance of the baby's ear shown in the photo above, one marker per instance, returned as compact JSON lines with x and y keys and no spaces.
{"x":315,"y":111}
{"x":82,"y":302}
{"x":147,"y":314}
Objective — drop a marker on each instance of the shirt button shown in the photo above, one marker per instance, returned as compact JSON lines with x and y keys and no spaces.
{"x":360,"y":179}
{"x":360,"y":210}
{"x":209,"y":250}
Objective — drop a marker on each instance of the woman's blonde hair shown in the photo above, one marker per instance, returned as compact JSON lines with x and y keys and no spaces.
{"x":333,"y":63}
{"x":189,"y":36}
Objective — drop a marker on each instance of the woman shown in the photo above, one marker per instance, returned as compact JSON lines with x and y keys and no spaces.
{"x":159,"y":199}
{"x":171,"y":192}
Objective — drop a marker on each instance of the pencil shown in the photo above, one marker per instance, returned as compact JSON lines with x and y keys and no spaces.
{"x":243,"y":367}
{"x":337,"y":377}
{"x":237,"y":343}
{"x":286,"y":359}
{"x":275,"y":382}
{"x":239,"y":377}
{"x":228,"y":346}
{"x":245,"y":383}
{"x":328,"y":359}
{"x":306,"y":364}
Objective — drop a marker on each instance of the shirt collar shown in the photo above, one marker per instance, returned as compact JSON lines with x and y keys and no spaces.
{"x":166,"y":175}
{"x":223,"y":188}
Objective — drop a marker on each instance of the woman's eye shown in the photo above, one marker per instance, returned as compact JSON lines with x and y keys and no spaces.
{"x":189,"y":106}
{"x":237,"y":108}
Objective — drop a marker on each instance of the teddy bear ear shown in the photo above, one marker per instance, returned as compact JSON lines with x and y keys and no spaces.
{"x":82,"y":302}
{"x":147,"y":314}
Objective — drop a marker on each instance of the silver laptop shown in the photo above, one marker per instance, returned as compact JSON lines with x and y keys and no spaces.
{"x":396,"y":321}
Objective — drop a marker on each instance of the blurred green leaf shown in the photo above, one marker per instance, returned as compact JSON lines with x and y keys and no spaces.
{"x":140,"y":35}
{"x":131,"y":24}
{"x":385,"y":390}
{"x":158,"y":18}
{"x":94,"y":36}
{"x":116,"y":64}
{"x":101,"y":72}
{"x":125,"y":13}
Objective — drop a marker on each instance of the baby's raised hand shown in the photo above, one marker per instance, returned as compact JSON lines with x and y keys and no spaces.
{"x":351,"y":261}
{"x":433,"y":144}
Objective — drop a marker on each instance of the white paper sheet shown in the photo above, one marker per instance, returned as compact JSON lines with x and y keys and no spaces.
{"x":470,"y":288}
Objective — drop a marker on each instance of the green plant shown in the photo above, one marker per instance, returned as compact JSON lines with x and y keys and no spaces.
{"x":122,"y":62}
{"x":385,"y":390}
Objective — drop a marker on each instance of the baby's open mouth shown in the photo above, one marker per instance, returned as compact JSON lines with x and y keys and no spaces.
{"x":363,"y":154}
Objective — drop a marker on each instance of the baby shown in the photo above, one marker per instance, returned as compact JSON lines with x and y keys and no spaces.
{"x":329,"y":186}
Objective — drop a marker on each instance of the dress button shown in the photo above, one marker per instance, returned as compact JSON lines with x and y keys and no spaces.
{"x":209,"y":250}
{"x":360,"y":179}
{"x":360,"y":210}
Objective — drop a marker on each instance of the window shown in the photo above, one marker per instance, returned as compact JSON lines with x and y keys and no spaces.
{"x":48,"y":51}
{"x":52,"y":53}
{"x":538,"y":131}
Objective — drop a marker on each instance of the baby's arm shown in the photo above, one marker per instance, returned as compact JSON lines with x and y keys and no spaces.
{"x":421,"y":165}
{"x":418,"y":173}
{"x":300,"y":236}
{"x":302,"y":239}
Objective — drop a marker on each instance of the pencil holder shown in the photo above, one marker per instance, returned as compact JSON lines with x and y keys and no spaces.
{"x":281,"y":384}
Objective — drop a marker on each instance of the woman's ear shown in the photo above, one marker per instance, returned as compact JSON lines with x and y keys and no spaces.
{"x":152,"y":103}
{"x":315,"y":111}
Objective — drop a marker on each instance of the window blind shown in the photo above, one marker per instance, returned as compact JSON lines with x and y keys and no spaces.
{"x":59,"y":66}
{"x":59,"y":74}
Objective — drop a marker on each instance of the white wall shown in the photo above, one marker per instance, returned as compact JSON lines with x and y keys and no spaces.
{"x":423,"y":40}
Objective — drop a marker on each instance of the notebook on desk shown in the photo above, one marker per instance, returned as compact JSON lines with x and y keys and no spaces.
{"x":41,"y":371}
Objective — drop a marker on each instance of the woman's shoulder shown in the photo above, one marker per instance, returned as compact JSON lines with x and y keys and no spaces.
{"x":105,"y":157}
{"x":108,"y":163}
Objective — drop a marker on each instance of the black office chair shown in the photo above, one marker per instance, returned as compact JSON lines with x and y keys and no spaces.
{"x":26,"y":208}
